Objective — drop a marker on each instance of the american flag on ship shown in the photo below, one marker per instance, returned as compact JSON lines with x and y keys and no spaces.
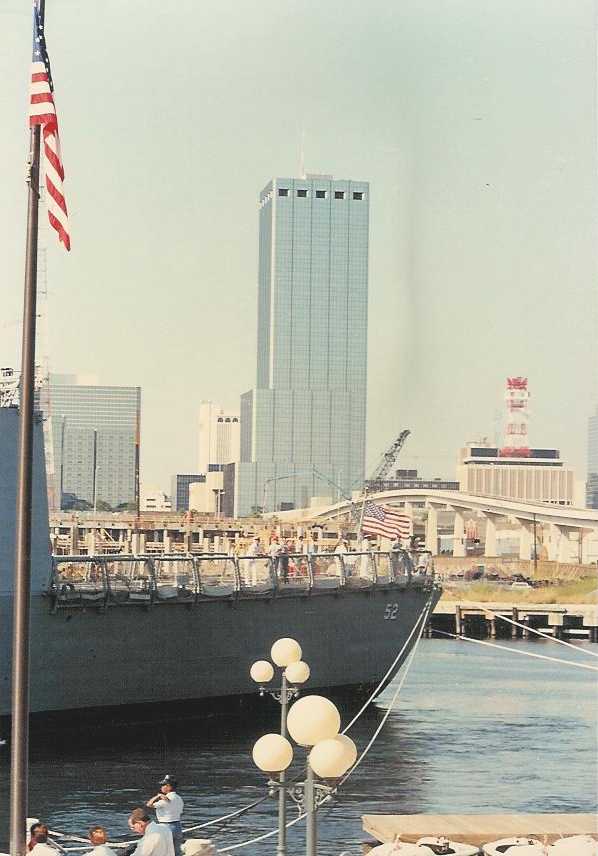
{"x":386,"y":521}
{"x":42,"y":111}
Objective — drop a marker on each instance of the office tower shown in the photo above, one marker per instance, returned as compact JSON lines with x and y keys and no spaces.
{"x":95,"y":437}
{"x":218,"y":437}
{"x":303,"y":426}
{"x":179,"y":489}
{"x":592,"y":481}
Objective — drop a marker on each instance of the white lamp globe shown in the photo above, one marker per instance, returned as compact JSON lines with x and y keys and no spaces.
{"x":311,"y":719}
{"x":329,"y":759}
{"x":285,"y":651}
{"x":297,"y":673}
{"x":272,"y":753}
{"x":350,"y":748}
{"x":262,"y":671}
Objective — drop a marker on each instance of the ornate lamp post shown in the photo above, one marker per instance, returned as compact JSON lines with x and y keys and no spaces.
{"x":313,"y":722}
{"x":286,"y":653}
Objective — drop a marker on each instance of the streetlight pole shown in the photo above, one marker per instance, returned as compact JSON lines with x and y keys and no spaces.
{"x":535,"y":548}
{"x":286,"y":654}
{"x":281,"y":848}
{"x":311,"y":831}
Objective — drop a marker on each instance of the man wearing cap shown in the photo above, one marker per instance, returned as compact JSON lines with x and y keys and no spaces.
{"x":168,"y":806}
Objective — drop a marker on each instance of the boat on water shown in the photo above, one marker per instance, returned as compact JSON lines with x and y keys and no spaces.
{"x":109,"y":632}
{"x":571,"y":845}
{"x":429,"y":845}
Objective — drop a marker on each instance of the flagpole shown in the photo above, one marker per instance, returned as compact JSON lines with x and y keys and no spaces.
{"x":365,"y":493}
{"x":22,"y":584}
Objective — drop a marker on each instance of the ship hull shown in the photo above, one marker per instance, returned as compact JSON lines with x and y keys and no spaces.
{"x":110,"y":658}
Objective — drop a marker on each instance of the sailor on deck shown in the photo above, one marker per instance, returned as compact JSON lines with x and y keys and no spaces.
{"x":168,"y":806}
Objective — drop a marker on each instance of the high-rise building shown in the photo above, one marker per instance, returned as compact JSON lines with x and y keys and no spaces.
{"x":592,"y":482}
{"x":218,"y":437}
{"x":179,"y":489}
{"x":303,"y":426}
{"x":95,"y":438}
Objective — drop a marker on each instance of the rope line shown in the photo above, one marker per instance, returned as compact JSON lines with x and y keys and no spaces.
{"x":515,"y":651}
{"x":535,"y":630}
{"x":225,"y":817}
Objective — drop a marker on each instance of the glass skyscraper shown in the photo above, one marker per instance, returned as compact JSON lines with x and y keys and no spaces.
{"x":95,"y":439}
{"x":303,"y":426}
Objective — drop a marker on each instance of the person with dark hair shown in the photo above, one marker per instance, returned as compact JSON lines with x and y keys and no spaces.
{"x":157,"y":837}
{"x":168,"y":806}
{"x":98,"y":837}
{"x":33,"y":829}
{"x":39,"y":841}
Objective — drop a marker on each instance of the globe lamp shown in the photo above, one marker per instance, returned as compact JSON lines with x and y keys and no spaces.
{"x":285,"y":651}
{"x":262,"y":672}
{"x":311,"y":719}
{"x":329,"y":759}
{"x":297,"y":673}
{"x":272,"y":753}
{"x":350,"y":748}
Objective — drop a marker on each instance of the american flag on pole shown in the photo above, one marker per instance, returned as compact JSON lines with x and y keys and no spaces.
{"x":42,"y":111}
{"x":386,"y":521}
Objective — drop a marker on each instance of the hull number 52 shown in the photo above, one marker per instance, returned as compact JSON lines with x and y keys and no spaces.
{"x":390,"y":613}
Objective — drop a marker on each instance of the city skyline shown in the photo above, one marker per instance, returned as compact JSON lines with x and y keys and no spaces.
{"x":482,"y":165}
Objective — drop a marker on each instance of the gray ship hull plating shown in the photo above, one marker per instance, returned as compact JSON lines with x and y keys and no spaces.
{"x":92,"y":658}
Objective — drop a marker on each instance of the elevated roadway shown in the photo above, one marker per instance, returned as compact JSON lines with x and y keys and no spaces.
{"x":551,"y":525}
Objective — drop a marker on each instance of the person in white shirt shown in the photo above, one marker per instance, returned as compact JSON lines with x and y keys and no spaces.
{"x":38,"y":843}
{"x":157,"y":837}
{"x":168,"y":806}
{"x":255,"y":550}
{"x":98,"y":837}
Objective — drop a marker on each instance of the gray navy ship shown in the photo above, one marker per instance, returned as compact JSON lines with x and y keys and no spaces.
{"x":108,"y":632}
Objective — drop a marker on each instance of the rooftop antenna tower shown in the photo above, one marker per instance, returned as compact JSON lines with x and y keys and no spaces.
{"x":516,"y":443}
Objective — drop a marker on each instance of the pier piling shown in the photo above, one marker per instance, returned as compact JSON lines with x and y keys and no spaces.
{"x":458,"y":621}
{"x":514,"y":617}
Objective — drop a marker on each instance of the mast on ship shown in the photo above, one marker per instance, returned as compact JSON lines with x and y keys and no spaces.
{"x":43,"y":129}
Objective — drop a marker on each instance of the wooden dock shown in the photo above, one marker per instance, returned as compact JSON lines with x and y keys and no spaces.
{"x":557,"y":619}
{"x":477,"y":829}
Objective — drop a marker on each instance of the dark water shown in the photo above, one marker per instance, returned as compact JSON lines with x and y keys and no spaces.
{"x":474,"y":731}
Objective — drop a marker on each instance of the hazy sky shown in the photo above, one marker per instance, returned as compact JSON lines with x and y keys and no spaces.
{"x":474,"y":121}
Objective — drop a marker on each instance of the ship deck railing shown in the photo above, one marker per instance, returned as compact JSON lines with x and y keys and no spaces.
{"x":107,"y":580}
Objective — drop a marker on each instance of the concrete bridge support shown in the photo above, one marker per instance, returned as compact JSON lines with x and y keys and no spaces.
{"x":490,"y":542}
{"x":432,"y":530}
{"x":564,"y":544}
{"x":459,"y":535}
{"x":526,"y":540}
